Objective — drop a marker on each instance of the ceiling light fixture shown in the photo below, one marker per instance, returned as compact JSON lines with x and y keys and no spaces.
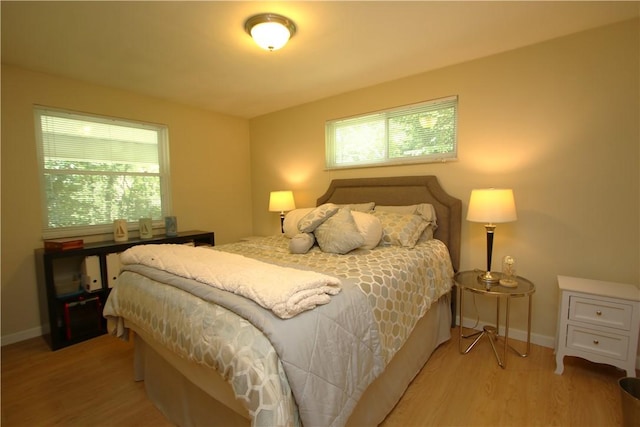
{"x":270,"y":31}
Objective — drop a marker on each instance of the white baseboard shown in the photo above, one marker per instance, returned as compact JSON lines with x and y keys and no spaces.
{"x":21,"y":336}
{"x":516,"y":334}
{"x":520,"y":335}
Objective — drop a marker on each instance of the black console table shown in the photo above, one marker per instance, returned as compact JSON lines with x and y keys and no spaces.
{"x":70,"y":306}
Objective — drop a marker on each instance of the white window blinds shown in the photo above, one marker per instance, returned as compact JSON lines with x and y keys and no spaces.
{"x":97,"y":169}
{"x":424,"y":132}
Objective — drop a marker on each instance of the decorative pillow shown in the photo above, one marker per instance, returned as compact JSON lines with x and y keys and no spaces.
{"x":400,"y":229}
{"x":317,"y":216}
{"x":427,"y":234}
{"x":360,"y":207}
{"x":291,"y":220}
{"x":301,"y":243}
{"x":425,"y":210}
{"x":369,"y":227}
{"x":339,"y":233}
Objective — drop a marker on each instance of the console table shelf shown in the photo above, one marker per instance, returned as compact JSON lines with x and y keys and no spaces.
{"x":69,"y":312}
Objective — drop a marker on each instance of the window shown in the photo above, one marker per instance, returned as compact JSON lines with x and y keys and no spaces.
{"x":418,"y":133}
{"x":97,"y":169}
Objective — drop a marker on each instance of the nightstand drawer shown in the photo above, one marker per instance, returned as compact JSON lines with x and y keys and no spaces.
{"x":599,"y":312}
{"x":602,"y":343}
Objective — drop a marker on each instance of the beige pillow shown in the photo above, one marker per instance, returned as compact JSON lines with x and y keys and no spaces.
{"x":317,"y":216}
{"x":339,"y":233}
{"x":301,"y":243}
{"x":400,"y":229}
{"x":291,"y":220}
{"x":425,"y":210}
{"x":369,"y":227}
{"x":360,"y":207}
{"x":427,"y":234}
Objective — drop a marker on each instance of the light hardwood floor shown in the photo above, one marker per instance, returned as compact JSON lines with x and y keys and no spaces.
{"x":90,"y":384}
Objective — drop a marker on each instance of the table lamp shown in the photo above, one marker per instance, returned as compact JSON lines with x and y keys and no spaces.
{"x":491,"y":206}
{"x":281,"y":201}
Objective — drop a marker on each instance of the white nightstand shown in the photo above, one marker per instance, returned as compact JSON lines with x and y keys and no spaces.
{"x":598,"y":321}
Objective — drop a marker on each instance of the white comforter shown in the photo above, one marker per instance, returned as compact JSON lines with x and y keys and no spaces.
{"x":285,"y":291}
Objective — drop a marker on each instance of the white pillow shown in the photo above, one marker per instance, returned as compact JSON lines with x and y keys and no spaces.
{"x":369,"y":227}
{"x":339,"y":234}
{"x":291,"y":220}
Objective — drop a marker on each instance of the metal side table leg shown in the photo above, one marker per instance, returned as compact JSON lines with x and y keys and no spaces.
{"x":528,"y":348}
{"x":478,"y":334}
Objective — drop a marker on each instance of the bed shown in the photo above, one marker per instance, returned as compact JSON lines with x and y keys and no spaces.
{"x":213,"y":357}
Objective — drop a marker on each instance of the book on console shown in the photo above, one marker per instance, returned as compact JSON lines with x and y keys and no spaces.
{"x":63,"y":244}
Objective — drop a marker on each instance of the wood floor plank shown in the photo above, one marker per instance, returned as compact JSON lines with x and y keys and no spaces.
{"x":472,"y":390}
{"x":91,"y":384}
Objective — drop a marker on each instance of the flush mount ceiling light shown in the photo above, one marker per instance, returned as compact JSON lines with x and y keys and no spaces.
{"x":270,"y":31}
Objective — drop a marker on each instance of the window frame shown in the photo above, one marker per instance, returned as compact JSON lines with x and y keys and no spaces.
{"x":331,"y":126}
{"x":107,"y":228}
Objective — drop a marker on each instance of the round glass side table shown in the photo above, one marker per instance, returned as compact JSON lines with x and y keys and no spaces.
{"x":470,"y":281}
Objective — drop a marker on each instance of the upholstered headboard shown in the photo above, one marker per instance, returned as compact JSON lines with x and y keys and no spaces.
{"x":404,"y":190}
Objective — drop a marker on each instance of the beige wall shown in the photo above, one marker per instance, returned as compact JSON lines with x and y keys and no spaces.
{"x":558,"y":122}
{"x":208,"y":152}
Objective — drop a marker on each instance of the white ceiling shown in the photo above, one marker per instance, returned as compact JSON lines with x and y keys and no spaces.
{"x":197,"y":53}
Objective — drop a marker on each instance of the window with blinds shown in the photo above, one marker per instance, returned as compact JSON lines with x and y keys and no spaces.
{"x":418,"y":133}
{"x":98,"y":169}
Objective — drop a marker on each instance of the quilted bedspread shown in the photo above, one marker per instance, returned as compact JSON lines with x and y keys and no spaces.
{"x":281,"y":378}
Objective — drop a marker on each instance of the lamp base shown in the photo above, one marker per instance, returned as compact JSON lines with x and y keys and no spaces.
{"x":488,"y":277}
{"x":509,"y":283}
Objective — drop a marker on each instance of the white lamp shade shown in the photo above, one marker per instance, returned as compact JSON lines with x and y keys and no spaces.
{"x":270,"y":35}
{"x":281,"y":201}
{"x":491,"y":206}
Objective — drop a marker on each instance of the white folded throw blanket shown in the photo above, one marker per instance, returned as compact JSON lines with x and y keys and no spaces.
{"x":285,"y":291}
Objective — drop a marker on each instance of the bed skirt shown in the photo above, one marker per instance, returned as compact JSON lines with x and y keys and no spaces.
{"x":194,"y":395}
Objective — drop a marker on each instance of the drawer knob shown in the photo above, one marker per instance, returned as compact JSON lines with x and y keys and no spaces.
{"x":596,"y":342}
{"x":599,"y":313}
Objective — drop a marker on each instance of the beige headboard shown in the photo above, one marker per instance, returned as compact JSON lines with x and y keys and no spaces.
{"x":404,"y":190}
